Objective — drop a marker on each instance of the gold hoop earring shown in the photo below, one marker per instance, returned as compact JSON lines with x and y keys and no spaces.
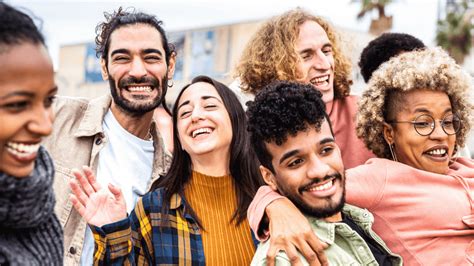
{"x":394,"y":156}
{"x":454,"y":156}
{"x":172,"y":83}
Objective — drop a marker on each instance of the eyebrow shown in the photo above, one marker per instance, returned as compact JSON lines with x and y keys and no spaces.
{"x":424,"y":110}
{"x":27,"y":93}
{"x":145,"y":51}
{"x":19,"y":93}
{"x":307,"y":50}
{"x":181,"y":105}
{"x":53,"y":90}
{"x":119,"y":51}
{"x":327,"y":45}
{"x":295,"y":152}
{"x":152,"y":51}
{"x":205,"y":97}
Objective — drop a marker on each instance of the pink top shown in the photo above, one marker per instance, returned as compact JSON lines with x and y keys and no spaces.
{"x":425,"y":217}
{"x":342,"y":114}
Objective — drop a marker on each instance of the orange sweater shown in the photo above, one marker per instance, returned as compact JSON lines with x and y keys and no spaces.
{"x":214,"y":200}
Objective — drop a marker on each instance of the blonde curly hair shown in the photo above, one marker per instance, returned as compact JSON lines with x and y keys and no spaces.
{"x":431,"y":68}
{"x":271,"y":54}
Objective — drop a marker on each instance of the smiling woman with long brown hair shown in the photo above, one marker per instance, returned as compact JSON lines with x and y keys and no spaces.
{"x":195,"y":214}
{"x":30,"y":232}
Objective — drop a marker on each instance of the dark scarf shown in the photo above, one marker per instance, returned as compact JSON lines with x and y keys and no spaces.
{"x":30,"y":232}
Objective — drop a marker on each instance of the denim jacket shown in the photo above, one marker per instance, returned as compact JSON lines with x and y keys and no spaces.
{"x":76,"y":140}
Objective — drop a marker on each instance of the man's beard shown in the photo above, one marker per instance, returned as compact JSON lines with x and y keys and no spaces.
{"x":134,"y":108}
{"x":330,"y":206}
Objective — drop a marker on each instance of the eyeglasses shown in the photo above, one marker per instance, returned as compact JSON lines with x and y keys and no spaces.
{"x":425,"y":124}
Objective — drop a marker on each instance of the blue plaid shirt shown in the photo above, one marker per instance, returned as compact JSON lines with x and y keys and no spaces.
{"x":141,"y":239}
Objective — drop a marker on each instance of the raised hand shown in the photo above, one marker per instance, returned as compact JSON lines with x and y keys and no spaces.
{"x":97,"y":205}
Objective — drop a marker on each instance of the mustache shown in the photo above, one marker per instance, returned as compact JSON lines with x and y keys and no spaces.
{"x":129,"y":81}
{"x":334,"y":176}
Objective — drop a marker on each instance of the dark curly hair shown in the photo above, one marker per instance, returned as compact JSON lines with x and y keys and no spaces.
{"x":382,"y":48}
{"x":17,"y":27}
{"x":121,"y":18}
{"x":280,"y":110}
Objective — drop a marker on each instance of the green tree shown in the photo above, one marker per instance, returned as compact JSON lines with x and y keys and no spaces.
{"x":455,"y":32}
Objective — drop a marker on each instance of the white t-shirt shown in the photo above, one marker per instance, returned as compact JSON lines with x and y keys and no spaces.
{"x":126,"y":161}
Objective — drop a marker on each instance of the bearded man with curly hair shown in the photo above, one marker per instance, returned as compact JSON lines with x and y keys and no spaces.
{"x":298,"y":46}
{"x":115,"y":134}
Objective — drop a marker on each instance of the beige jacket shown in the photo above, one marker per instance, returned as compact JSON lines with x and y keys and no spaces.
{"x":76,"y":140}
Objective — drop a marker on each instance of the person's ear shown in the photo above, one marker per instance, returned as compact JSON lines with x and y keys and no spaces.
{"x":388,"y":133}
{"x":171,"y":66}
{"x":103,"y":69}
{"x":268,"y":177}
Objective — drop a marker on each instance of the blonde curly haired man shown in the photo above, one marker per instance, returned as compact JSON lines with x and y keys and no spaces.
{"x":298,"y":46}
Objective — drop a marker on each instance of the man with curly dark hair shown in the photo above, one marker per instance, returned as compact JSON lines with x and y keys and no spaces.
{"x":384,"y":47}
{"x":115,"y":134}
{"x":293,"y":139}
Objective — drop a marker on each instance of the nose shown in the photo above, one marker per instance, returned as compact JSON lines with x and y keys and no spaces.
{"x":42,"y":121}
{"x":438,"y":132}
{"x":321,"y":61}
{"x":197,"y":114}
{"x":138,"y":69}
{"x":318,"y":168}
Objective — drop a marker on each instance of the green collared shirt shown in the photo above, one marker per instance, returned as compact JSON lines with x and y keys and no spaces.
{"x":346,"y":246}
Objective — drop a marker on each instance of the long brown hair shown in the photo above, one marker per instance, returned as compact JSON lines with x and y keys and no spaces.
{"x":243,"y":161}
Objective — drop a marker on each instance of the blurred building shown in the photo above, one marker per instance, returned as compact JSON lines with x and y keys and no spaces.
{"x":212,"y":51}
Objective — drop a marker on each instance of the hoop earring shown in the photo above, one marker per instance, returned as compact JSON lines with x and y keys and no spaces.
{"x":172,"y":83}
{"x":454,"y":157}
{"x":394,"y":156}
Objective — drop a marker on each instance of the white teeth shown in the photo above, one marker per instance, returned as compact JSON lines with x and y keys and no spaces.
{"x":328,"y":185}
{"x":437,"y":152}
{"x":140,"y":89}
{"x":319,"y":80}
{"x":21,"y":149}
{"x":201,"y":130}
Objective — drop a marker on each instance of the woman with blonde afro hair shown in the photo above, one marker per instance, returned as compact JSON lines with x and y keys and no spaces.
{"x":414,"y":113}
{"x":432,"y":69}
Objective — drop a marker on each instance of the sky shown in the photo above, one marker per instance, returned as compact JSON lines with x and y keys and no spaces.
{"x":71,"y":22}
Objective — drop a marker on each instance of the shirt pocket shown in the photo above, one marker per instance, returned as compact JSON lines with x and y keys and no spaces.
{"x":62,"y":191}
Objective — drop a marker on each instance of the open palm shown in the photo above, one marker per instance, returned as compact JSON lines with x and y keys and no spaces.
{"x":97,"y":205}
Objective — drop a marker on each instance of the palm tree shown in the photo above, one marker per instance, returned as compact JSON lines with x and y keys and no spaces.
{"x":383,"y":22}
{"x":454,"y":33}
